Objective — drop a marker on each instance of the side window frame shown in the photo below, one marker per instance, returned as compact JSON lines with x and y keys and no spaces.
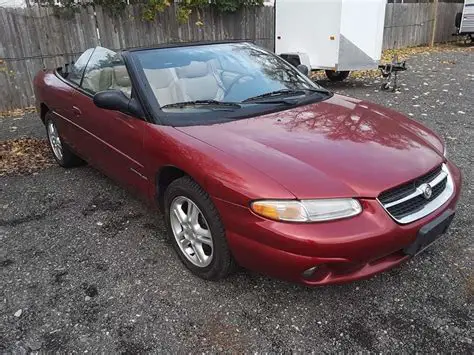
{"x":98,"y":61}
{"x":92,"y":50}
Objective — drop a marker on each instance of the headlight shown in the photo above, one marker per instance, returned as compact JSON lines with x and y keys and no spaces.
{"x":307,"y":210}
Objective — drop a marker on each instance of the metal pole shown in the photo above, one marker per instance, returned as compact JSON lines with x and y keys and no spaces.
{"x":435,"y":20}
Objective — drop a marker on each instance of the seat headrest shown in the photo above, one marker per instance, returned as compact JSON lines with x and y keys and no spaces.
{"x":121,"y":76}
{"x":105,"y":78}
{"x":193,"y":70}
{"x":159,"y":78}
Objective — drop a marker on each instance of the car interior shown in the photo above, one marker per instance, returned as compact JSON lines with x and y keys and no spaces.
{"x":108,"y":73}
{"x":196,"y":81}
{"x":108,"y":78}
{"x":176,"y":75}
{"x":191,"y":74}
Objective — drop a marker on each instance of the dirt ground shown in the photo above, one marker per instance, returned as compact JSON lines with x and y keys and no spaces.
{"x":87,"y":267}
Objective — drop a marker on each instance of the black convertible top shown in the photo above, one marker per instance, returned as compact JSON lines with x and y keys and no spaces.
{"x":187,"y":44}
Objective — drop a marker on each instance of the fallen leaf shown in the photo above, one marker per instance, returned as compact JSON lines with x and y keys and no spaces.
{"x":16,"y":113}
{"x":402,"y":54}
{"x":24,"y":156}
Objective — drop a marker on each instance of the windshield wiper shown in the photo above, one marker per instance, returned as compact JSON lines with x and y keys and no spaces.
{"x":285,"y":101}
{"x":207,"y":103}
{"x":277,"y":93}
{"x":282,"y":92}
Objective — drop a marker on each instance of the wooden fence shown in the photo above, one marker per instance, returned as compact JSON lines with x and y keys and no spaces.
{"x":408,"y":25}
{"x":33,"y":38}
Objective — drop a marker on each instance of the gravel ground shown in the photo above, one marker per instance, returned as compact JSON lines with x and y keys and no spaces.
{"x":86,"y":266}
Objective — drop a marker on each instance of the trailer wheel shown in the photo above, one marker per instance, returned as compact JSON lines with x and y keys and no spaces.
{"x":337,"y":75}
{"x":385,"y":86}
{"x":469,"y":39}
{"x":293,"y":59}
{"x":457,"y":20}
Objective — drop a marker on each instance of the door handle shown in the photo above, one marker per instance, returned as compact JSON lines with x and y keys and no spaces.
{"x":77,"y":112}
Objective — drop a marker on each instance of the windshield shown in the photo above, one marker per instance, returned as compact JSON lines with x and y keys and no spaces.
{"x":224,"y":77}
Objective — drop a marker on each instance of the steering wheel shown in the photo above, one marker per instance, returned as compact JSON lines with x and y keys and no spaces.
{"x":236,"y":80}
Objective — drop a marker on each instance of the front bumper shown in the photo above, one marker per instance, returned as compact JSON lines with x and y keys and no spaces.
{"x":341,"y":251}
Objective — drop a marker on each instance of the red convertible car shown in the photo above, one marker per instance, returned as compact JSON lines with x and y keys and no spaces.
{"x":251,"y":162}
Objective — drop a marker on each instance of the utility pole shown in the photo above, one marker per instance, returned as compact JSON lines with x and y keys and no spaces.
{"x":435,"y":20}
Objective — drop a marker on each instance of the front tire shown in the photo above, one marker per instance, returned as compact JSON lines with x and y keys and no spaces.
{"x":333,"y":75}
{"x":196,"y":231}
{"x":61,"y":152}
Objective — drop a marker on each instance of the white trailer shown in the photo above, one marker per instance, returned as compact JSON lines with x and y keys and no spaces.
{"x":335,"y":35}
{"x":465,"y":19}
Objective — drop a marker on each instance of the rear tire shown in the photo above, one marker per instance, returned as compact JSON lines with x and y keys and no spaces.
{"x":333,"y":75}
{"x":61,"y":151}
{"x":210,"y":260}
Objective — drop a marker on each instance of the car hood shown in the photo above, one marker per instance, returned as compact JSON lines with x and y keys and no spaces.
{"x":339,"y":147}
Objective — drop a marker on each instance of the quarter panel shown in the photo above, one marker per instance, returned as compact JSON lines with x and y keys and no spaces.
{"x":57,"y":96}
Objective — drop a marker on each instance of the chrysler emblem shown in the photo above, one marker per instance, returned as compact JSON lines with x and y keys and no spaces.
{"x":427,"y":191}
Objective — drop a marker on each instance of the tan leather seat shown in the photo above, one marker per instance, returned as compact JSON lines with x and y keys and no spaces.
{"x":199,"y":81}
{"x":121,"y":80}
{"x":97,"y":80}
{"x":164,"y":85}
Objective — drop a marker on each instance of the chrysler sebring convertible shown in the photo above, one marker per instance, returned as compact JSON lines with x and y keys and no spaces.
{"x":252,"y":163}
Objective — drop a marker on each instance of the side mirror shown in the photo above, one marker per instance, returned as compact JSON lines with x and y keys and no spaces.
{"x":116,"y":100}
{"x":303,"y":69}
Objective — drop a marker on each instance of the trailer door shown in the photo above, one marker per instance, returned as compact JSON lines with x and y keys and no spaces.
{"x":361,"y":36}
{"x":311,"y":27}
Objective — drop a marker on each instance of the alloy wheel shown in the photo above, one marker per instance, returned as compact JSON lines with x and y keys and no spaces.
{"x":55,"y":141}
{"x":191,"y":231}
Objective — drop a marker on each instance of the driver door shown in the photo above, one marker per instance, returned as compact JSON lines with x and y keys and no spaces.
{"x":115,"y":139}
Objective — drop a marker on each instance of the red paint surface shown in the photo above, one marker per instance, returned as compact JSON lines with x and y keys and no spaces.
{"x":341,"y":147}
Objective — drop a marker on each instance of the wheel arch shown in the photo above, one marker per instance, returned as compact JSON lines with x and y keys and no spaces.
{"x":44,"y":109}
{"x":163,"y":178}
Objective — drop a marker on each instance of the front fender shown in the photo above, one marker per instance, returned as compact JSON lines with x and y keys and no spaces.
{"x":221,"y":175}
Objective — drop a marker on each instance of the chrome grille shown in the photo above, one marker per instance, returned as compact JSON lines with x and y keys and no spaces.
{"x":404,"y":190}
{"x":406,"y":203}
